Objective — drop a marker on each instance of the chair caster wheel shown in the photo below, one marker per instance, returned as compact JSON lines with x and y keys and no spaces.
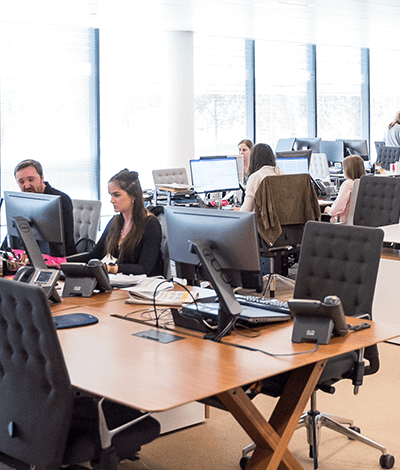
{"x":244,"y":460}
{"x":386,"y":461}
{"x":355,"y":429}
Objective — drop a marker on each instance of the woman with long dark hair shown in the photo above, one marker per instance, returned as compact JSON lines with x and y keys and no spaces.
{"x":262,"y":164}
{"x":131,"y":241}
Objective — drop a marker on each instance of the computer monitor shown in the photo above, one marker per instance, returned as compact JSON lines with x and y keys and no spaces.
{"x":39,"y":216}
{"x":230,"y":238}
{"x":285,"y":145}
{"x":295,"y":154}
{"x":212,"y":156}
{"x":334,"y":150}
{"x":215,"y":174}
{"x":356,"y":147}
{"x":293,"y":166}
{"x":308,"y":143}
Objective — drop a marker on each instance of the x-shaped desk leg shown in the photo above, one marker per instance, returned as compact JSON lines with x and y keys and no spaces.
{"x":272,"y":437}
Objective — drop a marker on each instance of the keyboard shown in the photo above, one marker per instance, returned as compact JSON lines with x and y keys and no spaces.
{"x":267,"y":304}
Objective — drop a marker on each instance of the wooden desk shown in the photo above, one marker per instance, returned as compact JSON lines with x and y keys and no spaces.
{"x":108,"y":360}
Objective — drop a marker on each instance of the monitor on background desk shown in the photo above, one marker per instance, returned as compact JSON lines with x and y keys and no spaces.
{"x":356,"y":147}
{"x":308,"y":143}
{"x":215,"y":174}
{"x":293,"y":166}
{"x":295,"y":154}
{"x":334,"y":150}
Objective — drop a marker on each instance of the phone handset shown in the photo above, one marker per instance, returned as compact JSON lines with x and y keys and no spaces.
{"x":24,"y":274}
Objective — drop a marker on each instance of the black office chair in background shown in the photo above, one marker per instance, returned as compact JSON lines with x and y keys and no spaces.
{"x":42,"y":423}
{"x":283,"y":204}
{"x":378,"y":201}
{"x":387,"y":155}
{"x":337,"y":260}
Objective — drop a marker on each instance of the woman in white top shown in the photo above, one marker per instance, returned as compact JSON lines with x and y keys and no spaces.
{"x":353,"y":168}
{"x":262,"y":164}
{"x":392,"y":135}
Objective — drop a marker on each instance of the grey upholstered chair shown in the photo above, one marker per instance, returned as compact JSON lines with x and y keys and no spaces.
{"x":169,"y":176}
{"x":86,"y":223}
{"x":337,"y":260}
{"x":387,"y":156}
{"x":378,"y":201}
{"x":319,"y":167}
{"x":42,"y":423}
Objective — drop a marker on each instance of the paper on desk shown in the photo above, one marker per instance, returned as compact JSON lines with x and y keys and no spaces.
{"x":167,"y":298}
{"x":125,"y":280}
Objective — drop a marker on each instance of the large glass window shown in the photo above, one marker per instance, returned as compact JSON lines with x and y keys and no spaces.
{"x":130,"y":106}
{"x":220,"y":95}
{"x":281,"y":76}
{"x":44,"y":88}
{"x":385,"y":92}
{"x":339,"y":93}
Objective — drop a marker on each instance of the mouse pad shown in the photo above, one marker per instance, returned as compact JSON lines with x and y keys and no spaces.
{"x":72,"y":320}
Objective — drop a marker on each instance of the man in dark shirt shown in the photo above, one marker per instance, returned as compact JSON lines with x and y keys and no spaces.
{"x":29,"y":176}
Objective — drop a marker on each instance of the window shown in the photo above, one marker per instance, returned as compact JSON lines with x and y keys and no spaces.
{"x":282,"y":76}
{"x":385,"y":93}
{"x":130,"y":106}
{"x":220,"y":95}
{"x":339,"y":93}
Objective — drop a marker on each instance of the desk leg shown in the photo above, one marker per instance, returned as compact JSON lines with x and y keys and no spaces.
{"x":272,"y":437}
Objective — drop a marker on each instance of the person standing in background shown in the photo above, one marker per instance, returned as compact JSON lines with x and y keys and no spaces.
{"x":392,"y":134}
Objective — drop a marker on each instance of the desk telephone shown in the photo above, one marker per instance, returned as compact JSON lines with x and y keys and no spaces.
{"x":44,"y":278}
{"x":82,"y":279}
{"x":317,"y":321}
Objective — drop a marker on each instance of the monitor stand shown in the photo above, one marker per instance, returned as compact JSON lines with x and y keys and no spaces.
{"x":33,"y":251}
{"x":229,"y":307}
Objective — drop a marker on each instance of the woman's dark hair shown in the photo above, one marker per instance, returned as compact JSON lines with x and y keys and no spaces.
{"x":261,"y":155}
{"x":128,"y":181}
{"x":396,"y":120}
{"x":246,"y":142}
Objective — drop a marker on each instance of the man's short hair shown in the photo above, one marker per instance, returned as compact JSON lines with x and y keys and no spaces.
{"x":29,"y":162}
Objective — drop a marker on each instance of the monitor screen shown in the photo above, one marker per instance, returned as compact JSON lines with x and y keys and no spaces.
{"x":293,"y":166}
{"x":43,"y":212}
{"x":308,"y":143}
{"x":333,"y":149}
{"x":231,"y":235}
{"x":214,"y":174}
{"x":296,"y":154}
{"x":356,"y":147}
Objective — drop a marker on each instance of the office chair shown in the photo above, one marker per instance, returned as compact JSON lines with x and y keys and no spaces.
{"x":169,"y":176}
{"x":337,"y":260}
{"x":158,"y":211}
{"x":387,"y":155}
{"x":283,"y":204}
{"x":86,"y":223}
{"x":42,"y":423}
{"x":379,"y":143}
{"x":319,"y":167}
{"x":378,"y":201}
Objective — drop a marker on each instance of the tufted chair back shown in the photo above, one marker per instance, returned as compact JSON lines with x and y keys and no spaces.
{"x":36,"y":396}
{"x":169,"y":176}
{"x":86,"y":223}
{"x":378,"y":201}
{"x":387,"y":155}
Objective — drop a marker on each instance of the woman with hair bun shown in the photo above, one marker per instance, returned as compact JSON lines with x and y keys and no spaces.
{"x":131,"y":241}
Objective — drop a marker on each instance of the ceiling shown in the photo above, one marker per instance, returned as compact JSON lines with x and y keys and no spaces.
{"x":361,"y":23}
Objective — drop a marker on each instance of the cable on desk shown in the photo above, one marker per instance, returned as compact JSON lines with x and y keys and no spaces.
{"x":249,"y":348}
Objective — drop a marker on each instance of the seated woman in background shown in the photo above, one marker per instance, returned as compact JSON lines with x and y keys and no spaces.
{"x":245,"y":147}
{"x":131,"y":241}
{"x":353,"y":168}
{"x":262,"y":164}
